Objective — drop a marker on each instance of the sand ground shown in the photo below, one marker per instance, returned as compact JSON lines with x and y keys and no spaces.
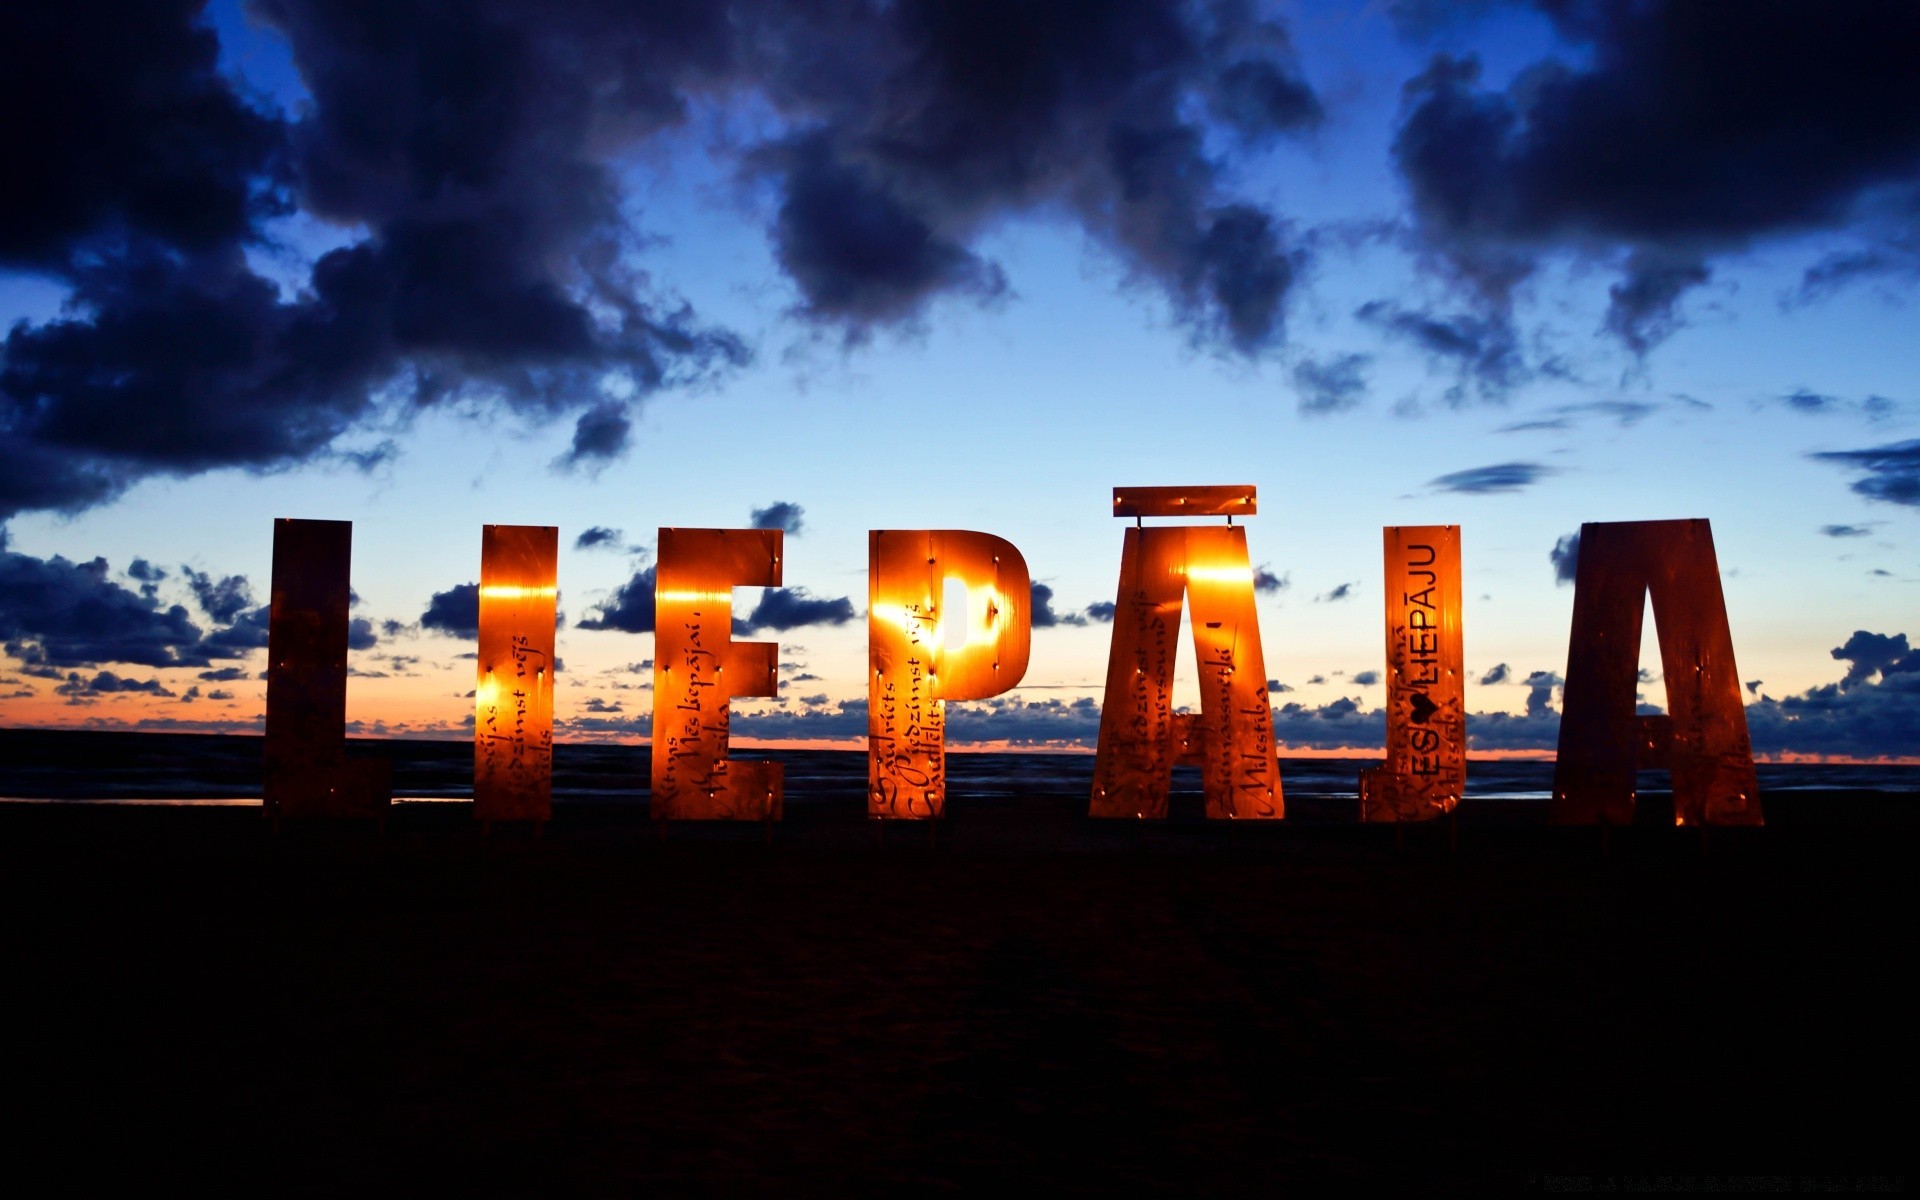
{"x":1032,"y":999}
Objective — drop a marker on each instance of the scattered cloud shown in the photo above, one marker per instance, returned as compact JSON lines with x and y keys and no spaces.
{"x":598,"y":537}
{"x":60,"y":614}
{"x":1498,"y":675}
{"x":455,"y":611}
{"x":1339,"y":592}
{"x":1845,"y":531}
{"x":1565,"y":557}
{"x":1264,"y":580}
{"x":1044,"y":617}
{"x":781,"y":514}
{"x":1331,"y":385}
{"x":629,"y":608}
{"x":793,"y":608}
{"x":1892,"y":472}
{"x":1491,"y":480}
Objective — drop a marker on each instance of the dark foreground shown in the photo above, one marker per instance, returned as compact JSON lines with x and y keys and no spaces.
{"x":1034,"y":999}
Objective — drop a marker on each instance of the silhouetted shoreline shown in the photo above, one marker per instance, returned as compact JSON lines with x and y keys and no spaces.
{"x":1030,"y":996}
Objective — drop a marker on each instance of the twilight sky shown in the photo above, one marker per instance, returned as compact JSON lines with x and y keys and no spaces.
{"x":968,"y":264}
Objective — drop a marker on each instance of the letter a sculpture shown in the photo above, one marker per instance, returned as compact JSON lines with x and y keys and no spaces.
{"x":1703,"y":740}
{"x":1141,"y":737}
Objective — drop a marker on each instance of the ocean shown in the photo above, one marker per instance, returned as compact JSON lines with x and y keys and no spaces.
{"x":99,"y":766}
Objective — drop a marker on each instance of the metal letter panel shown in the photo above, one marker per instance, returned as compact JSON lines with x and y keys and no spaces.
{"x":307,"y":668}
{"x":698,"y":668}
{"x":1219,"y":500}
{"x":1140,"y":737}
{"x":913,"y":672}
{"x":1426,"y":768}
{"x":513,"y":697}
{"x":1602,"y":742}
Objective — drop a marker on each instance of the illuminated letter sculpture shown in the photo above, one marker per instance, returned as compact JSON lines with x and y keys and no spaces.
{"x":307,"y":771}
{"x":698,"y":668}
{"x":1140,"y":735}
{"x":1704,"y":739}
{"x":915,"y":669}
{"x":1426,"y":767}
{"x":513,"y":698}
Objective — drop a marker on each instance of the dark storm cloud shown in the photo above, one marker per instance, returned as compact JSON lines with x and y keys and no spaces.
{"x":1565,"y":557}
{"x":597,"y":537}
{"x":465,"y":145}
{"x":1491,"y":480}
{"x":1892,"y":471}
{"x":782,"y":515}
{"x":455,"y":611}
{"x":1497,"y":675}
{"x":793,"y":608}
{"x":139,"y":569}
{"x":133,"y":134}
{"x":629,"y":608}
{"x":1689,"y":130}
{"x":936,"y":117}
{"x":475,"y":154}
{"x":1043,"y":615}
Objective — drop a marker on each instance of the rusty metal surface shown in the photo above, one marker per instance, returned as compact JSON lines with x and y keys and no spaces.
{"x":1703,"y":739}
{"x":1208,"y":500}
{"x":307,"y":669}
{"x":699,"y":668}
{"x":1425,"y":772}
{"x":1232,"y":735}
{"x":913,"y":672}
{"x":513,"y":691}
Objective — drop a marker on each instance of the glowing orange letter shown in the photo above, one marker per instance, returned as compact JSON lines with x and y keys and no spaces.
{"x":1703,"y":740}
{"x":1140,"y":735}
{"x":698,"y":668}
{"x":513,"y":699}
{"x":1426,"y":767}
{"x":916,"y":669}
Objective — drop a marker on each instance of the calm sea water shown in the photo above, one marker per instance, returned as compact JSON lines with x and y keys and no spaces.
{"x":208,"y":769}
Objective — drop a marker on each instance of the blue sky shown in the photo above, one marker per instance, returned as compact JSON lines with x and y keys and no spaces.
{"x":934,"y":265}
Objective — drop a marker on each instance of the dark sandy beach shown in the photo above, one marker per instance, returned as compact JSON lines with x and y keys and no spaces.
{"x":1034,"y":998}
